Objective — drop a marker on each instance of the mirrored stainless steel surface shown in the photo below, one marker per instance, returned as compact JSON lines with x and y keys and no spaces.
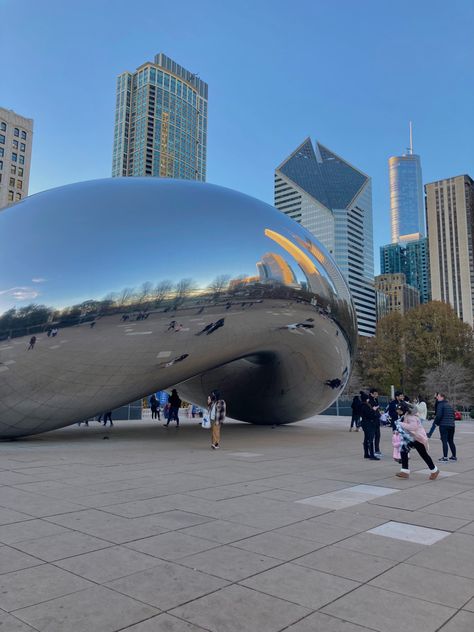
{"x":113,"y":289}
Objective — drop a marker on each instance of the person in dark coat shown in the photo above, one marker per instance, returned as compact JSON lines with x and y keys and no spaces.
{"x":154,"y":406}
{"x":444,"y":419}
{"x":355,"y":419}
{"x":369,"y":420}
{"x":174,"y":402}
{"x":374,"y":402}
{"x":392,"y":408}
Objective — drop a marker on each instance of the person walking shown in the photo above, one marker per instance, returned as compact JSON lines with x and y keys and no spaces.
{"x":173,"y":412}
{"x":369,"y":419}
{"x":217,"y":411}
{"x":355,"y":419}
{"x":413,"y":435}
{"x":154,"y":406}
{"x":108,"y":417}
{"x":445,"y":420}
{"x":32,"y":343}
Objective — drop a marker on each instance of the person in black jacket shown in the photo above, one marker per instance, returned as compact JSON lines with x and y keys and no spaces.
{"x":392,"y":408}
{"x":374,"y":402}
{"x":355,"y":419}
{"x":445,"y":420}
{"x":369,"y":420}
{"x":174,"y":402}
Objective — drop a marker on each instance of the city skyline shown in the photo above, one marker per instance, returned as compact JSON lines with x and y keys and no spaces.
{"x":262,"y":101}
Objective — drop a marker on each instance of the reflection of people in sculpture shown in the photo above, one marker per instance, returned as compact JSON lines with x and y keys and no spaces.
{"x":219,"y":323}
{"x":217,"y":411}
{"x":32,"y":343}
{"x":179,"y":359}
{"x":171,"y":325}
{"x":336,"y":383}
{"x":206,"y":329}
{"x":108,"y":416}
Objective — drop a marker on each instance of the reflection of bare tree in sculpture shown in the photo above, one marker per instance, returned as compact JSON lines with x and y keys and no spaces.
{"x":183,"y":289}
{"x":145,"y":293}
{"x":124,"y":296}
{"x":161,"y":291}
{"x":220,"y":283}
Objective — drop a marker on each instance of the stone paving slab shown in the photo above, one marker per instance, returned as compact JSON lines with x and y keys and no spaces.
{"x":152,"y":531}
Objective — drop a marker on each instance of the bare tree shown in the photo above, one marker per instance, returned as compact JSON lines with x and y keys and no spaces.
{"x":453,"y":379}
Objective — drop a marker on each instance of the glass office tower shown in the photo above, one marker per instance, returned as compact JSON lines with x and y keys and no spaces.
{"x":407,"y":211}
{"x":413,"y":260}
{"x":333,"y":200}
{"x":160,"y":122}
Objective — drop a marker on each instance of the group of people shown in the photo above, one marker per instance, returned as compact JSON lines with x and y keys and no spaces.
{"x":216,"y":413}
{"x":406,"y":421}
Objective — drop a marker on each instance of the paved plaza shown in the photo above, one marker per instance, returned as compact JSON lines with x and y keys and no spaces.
{"x":146,"y":529}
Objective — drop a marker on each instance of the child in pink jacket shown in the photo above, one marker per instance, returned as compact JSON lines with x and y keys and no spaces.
{"x":413,"y":435}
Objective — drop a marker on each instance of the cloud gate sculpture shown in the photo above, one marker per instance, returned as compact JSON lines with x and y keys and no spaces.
{"x":113,"y":289}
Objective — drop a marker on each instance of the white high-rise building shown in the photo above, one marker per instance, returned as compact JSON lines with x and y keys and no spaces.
{"x":450,"y":219}
{"x":16,"y":139}
{"x":333,"y":200}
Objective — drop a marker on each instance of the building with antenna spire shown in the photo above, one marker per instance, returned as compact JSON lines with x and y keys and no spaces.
{"x":408,"y":254}
{"x":407,"y":212}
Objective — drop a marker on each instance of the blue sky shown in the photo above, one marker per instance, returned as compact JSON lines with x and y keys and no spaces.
{"x":348,"y":73}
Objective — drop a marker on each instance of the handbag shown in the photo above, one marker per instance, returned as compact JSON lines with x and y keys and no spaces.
{"x":206,"y":422}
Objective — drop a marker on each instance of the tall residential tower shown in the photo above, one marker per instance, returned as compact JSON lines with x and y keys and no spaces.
{"x":406,"y":196}
{"x":450,"y":218}
{"x":333,"y":200}
{"x":160,"y":122}
{"x":16,"y":139}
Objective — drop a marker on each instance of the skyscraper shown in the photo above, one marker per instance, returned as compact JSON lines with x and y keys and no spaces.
{"x":160,"y":122}
{"x":333,"y":200}
{"x":406,"y":196}
{"x":450,"y":219}
{"x":16,"y":139}
{"x":412,"y":259}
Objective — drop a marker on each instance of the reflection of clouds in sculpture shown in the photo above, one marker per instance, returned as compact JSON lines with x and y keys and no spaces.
{"x":137,"y":312}
{"x":20,"y":293}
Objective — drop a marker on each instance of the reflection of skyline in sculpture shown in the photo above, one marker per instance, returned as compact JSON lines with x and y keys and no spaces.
{"x":273,"y":267}
{"x":269,"y":371}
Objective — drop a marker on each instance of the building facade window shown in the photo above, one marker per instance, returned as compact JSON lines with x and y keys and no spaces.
{"x":22,"y":147}
{"x":12,"y":182}
{"x":15,"y":144}
{"x":13,"y":169}
{"x":20,"y":171}
{"x":23,"y":135}
{"x":21,"y":159}
{"x":2,"y":139}
{"x":18,"y":196}
{"x":14,"y":157}
{"x":16,"y":132}
{"x":19,"y":184}
{"x":3,"y":126}
{"x":10,"y":196}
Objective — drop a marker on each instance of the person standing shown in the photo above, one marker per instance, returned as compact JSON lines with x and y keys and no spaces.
{"x":413,"y":435}
{"x":32,"y":343}
{"x":392,"y":408}
{"x":445,"y":420}
{"x":355,"y":419}
{"x":155,"y":413}
{"x":374,"y":402}
{"x":368,"y":420}
{"x":217,"y":411}
{"x":173,"y":413}
{"x":421,"y":407}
